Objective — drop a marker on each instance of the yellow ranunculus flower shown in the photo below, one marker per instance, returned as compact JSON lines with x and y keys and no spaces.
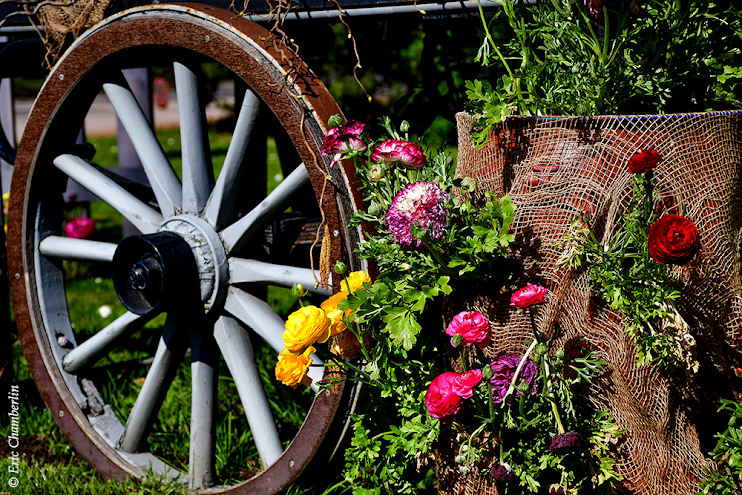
{"x":292,"y":370}
{"x":356,"y":280}
{"x":330,"y":307}
{"x":305,"y":327}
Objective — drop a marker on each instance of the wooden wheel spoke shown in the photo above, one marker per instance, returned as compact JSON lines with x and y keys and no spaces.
{"x":234,"y":342}
{"x":240,"y":232}
{"x":66,"y":248}
{"x":169,"y":354}
{"x":142,"y":216}
{"x":224,"y":194}
{"x":90,"y":351}
{"x":252,"y":271}
{"x":204,"y":374}
{"x":160,"y":174}
{"x":198,"y":176}
{"x":259,"y":316}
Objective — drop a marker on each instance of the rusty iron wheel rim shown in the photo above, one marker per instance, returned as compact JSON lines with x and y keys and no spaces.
{"x":242,"y":47}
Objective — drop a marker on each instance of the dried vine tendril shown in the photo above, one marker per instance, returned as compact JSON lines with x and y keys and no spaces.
{"x":283,"y":43}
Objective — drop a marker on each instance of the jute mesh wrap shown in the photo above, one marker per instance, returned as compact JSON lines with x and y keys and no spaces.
{"x":558,"y":168}
{"x":62,"y":20}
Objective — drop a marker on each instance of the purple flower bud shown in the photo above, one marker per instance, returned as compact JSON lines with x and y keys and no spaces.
{"x":564,"y":444}
{"x":502,"y":472}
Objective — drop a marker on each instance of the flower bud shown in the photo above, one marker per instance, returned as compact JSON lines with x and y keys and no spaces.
{"x":298,"y":291}
{"x":540,"y":350}
{"x":457,"y":340}
{"x":404,"y":126}
{"x":340,"y":268}
{"x":376,"y":173}
{"x":335,"y":121}
{"x":375,"y":208}
{"x":487,"y":373}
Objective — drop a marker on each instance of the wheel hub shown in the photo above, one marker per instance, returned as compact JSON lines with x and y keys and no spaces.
{"x":181,"y":267}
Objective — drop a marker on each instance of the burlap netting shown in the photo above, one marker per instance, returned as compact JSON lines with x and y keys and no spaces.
{"x":65,"y":21}
{"x":557,"y":168}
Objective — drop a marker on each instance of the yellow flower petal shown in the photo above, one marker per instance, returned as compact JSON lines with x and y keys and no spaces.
{"x":292,"y":370}
{"x":305,"y":327}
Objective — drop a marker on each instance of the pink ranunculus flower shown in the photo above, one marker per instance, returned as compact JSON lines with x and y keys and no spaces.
{"x":421,"y":204}
{"x":79,"y":228}
{"x":528,"y":296}
{"x":441,"y":400}
{"x":464,"y":384}
{"x":392,"y":150}
{"x":344,"y":140}
{"x":473,"y":328}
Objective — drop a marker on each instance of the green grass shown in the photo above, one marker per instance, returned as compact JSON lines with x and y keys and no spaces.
{"x":51,"y":465}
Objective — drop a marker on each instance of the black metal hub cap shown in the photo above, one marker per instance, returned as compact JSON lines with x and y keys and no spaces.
{"x":181,"y":269}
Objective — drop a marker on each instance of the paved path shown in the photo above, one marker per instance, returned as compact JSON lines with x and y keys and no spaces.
{"x":101,"y":120}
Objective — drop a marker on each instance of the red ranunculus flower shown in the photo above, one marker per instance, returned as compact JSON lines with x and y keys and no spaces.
{"x":528,"y":296}
{"x":464,"y":384}
{"x":673,"y":239}
{"x":441,"y":400}
{"x":473,"y":328}
{"x":644,"y":161}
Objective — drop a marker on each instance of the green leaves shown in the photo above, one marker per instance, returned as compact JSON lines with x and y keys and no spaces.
{"x":401,"y":326}
{"x":631,"y":281}
{"x":727,"y":453}
{"x":561,"y":58}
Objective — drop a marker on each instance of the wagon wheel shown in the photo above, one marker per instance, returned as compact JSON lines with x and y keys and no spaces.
{"x":197,"y":260}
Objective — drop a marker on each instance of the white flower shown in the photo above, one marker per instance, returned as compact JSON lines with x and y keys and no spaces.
{"x":104,"y":311}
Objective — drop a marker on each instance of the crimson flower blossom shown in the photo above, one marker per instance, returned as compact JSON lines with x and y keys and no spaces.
{"x":464,"y":384}
{"x":673,"y":239}
{"x":644,"y":161}
{"x":528,"y":296}
{"x":343,"y":141}
{"x":441,"y":400}
{"x":392,"y":150}
{"x":473,"y":328}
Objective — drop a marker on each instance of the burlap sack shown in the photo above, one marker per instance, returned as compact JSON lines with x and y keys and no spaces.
{"x":66,"y":21}
{"x":557,"y":168}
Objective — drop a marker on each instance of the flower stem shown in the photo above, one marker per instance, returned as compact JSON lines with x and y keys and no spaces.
{"x":492,"y":41}
{"x":523,"y":360}
{"x":536,"y":333}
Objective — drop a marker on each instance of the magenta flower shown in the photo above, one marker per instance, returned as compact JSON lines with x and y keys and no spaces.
{"x":473,"y":328}
{"x":418,"y":204}
{"x":464,"y":384}
{"x":441,"y":400}
{"x":392,"y":150}
{"x":344,"y":140}
{"x":504,"y":368}
{"x":79,"y":228}
{"x":528,"y":296}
